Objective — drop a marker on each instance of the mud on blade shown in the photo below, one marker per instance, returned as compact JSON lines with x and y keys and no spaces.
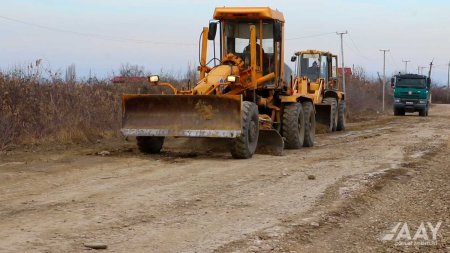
{"x":181,"y":115}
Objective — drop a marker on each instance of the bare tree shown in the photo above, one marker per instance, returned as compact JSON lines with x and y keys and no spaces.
{"x":128,"y":70}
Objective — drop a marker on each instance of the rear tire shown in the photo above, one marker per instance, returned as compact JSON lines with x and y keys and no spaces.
{"x":293,"y":128}
{"x":244,"y":146}
{"x":334,"y":111}
{"x":310,"y":124}
{"x":341,"y":116}
{"x":150,"y":144}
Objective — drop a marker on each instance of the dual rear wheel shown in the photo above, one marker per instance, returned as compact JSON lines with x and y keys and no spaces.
{"x":299,"y":125}
{"x":298,"y":128}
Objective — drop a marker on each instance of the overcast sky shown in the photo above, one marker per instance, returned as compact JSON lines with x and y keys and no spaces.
{"x":100,"y":35}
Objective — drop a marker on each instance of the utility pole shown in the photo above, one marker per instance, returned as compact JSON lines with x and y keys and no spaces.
{"x":448,"y":82}
{"x":421,"y":70}
{"x":342,"y":59}
{"x":384,"y":72}
{"x":406,"y":65}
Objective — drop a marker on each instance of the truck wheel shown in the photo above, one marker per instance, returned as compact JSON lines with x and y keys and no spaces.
{"x":334,"y":112}
{"x":399,"y":112}
{"x":310,"y":124}
{"x":293,"y":128}
{"x":341,"y":116}
{"x":244,"y":146}
{"x":423,"y":112}
{"x":396,"y":112}
{"x":150,"y":144}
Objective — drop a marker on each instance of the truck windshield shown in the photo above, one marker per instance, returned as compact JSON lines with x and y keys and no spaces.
{"x":412,"y":83}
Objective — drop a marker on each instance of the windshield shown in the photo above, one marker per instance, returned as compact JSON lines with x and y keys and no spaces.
{"x":237,"y":41}
{"x":310,"y":66}
{"x":412,"y":83}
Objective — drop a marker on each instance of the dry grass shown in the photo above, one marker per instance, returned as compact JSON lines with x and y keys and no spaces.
{"x":36,"y":110}
{"x":31,"y":111}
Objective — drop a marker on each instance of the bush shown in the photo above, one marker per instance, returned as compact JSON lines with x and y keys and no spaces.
{"x":364,"y":96}
{"x":34,"y":109}
{"x":31,"y":111}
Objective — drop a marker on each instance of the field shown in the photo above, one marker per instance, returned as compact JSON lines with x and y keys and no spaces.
{"x":342,"y":195}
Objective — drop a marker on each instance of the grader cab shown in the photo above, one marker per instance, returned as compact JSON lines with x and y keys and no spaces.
{"x":317,"y":75}
{"x":242,"y":96}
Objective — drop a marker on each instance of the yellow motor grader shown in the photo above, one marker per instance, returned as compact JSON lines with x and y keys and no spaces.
{"x":316,"y":75}
{"x":245,"y":97}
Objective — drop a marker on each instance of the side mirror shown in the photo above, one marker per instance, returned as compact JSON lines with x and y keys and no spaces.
{"x":212,"y":30}
{"x":392,"y":82}
{"x":277,"y":32}
{"x":293,"y":58}
{"x":428,"y":82}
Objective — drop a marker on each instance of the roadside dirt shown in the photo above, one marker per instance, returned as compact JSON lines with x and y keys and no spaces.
{"x":342,"y":195}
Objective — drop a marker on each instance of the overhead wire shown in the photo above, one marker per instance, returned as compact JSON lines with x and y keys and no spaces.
{"x":393,"y":60}
{"x":311,"y":36}
{"x":358,"y":51}
{"x":95,"y":35}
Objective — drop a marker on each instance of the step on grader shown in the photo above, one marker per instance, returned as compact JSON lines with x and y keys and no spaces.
{"x":316,"y":75}
{"x":242,"y":96}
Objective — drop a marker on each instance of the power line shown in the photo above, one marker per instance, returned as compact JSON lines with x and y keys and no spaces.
{"x":393,"y":60}
{"x":357,"y":49}
{"x":311,"y":36}
{"x":94,"y":35}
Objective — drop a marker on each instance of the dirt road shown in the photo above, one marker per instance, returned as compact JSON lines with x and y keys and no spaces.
{"x":191,"y":200}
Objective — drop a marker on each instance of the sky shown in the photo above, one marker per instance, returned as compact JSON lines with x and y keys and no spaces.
{"x":98,"y":36}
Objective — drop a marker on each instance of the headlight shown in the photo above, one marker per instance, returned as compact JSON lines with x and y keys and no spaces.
{"x":397,"y":100}
{"x":232,"y":79}
{"x":422,"y":101}
{"x":153,"y":79}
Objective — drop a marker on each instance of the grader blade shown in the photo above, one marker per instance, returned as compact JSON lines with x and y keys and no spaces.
{"x":323,"y":118}
{"x":270,"y":142}
{"x":181,"y":115}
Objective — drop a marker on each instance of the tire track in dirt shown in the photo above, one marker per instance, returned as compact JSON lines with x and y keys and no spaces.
{"x":184,"y":200}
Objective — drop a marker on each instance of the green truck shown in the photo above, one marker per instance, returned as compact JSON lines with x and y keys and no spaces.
{"x":412,"y":93}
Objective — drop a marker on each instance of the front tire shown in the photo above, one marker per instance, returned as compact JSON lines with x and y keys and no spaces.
{"x":293,"y":126}
{"x":310,"y":124}
{"x":341,"y":116}
{"x":399,"y":112}
{"x":423,"y":112}
{"x":334,"y":113}
{"x":244,"y":146}
{"x":150,"y":144}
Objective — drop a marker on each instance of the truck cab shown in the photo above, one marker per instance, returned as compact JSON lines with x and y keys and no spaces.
{"x":412,"y":93}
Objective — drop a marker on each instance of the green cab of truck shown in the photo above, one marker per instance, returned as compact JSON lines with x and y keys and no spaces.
{"x":412,"y":93}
